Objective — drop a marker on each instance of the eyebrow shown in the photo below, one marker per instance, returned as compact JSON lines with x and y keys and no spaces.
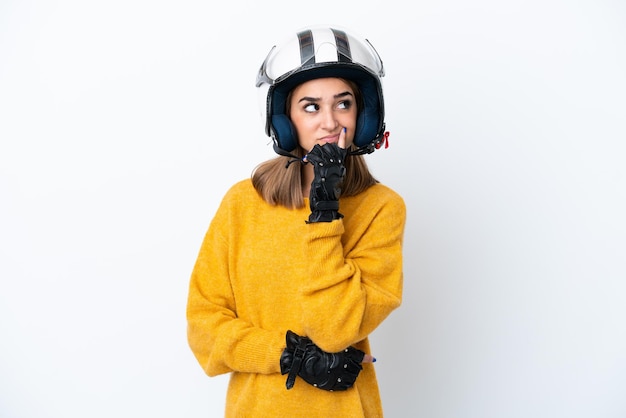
{"x":317,"y":99}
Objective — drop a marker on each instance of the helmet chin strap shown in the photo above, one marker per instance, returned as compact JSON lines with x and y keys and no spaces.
{"x":280,"y":151}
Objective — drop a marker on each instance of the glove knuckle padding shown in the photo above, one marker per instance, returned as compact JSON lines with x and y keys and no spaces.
{"x":329,"y":170}
{"x":328,"y":371}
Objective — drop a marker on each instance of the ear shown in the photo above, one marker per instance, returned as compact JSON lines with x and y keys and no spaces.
{"x":367,"y":125}
{"x":284,"y":133}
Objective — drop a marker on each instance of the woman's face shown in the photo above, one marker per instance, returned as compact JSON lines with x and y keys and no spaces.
{"x":320,"y":109}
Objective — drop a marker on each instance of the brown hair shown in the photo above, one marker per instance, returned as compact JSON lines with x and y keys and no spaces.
{"x":280,"y":183}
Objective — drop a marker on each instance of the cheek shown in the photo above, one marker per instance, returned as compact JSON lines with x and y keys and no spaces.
{"x":301,"y":127}
{"x":303,"y":133}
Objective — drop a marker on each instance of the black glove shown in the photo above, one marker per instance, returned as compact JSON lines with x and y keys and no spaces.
{"x":328,"y":371}
{"x":328,"y":165}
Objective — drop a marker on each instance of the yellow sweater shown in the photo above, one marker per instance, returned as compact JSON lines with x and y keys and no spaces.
{"x":262,"y":270}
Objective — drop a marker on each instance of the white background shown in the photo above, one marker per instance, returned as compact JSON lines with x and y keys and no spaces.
{"x":123,"y":122}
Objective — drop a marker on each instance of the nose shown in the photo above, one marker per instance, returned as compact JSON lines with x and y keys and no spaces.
{"x":329,"y":120}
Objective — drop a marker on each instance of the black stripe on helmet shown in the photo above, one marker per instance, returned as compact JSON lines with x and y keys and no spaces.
{"x":343,"y":46}
{"x":307,"y":52}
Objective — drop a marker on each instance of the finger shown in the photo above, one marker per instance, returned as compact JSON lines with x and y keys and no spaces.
{"x":305,"y":158}
{"x":342,"y":139}
{"x":368,"y":358}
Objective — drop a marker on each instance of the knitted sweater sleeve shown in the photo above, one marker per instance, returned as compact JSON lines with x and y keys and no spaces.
{"x":356,"y":283}
{"x":219,"y":339}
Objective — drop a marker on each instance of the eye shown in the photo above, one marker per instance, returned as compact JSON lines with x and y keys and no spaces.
{"x":344,"y":104}
{"x":311,"y":107}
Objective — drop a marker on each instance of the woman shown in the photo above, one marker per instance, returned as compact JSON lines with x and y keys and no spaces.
{"x":303,"y":261}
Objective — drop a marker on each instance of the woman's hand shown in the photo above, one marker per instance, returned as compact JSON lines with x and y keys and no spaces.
{"x":342,"y":139}
{"x":368,"y":358}
{"x":328,"y":371}
{"x":329,"y":170}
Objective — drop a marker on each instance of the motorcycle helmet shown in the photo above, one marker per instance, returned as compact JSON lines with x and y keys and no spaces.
{"x":317,"y":52}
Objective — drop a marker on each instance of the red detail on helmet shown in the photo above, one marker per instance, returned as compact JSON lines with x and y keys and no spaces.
{"x":385,"y":139}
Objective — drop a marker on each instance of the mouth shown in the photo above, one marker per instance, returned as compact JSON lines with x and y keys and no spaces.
{"x":330,"y":138}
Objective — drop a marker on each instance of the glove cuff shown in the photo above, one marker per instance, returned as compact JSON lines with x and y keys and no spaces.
{"x":325,"y":205}
{"x":324,"y":216}
{"x":296,"y":348}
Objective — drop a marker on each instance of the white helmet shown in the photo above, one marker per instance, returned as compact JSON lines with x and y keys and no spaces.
{"x":318,"y":52}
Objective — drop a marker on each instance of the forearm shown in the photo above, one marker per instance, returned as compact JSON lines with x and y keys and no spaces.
{"x":220,"y":340}
{"x":222,"y":343}
{"x":356,"y":272}
{"x":346,"y":312}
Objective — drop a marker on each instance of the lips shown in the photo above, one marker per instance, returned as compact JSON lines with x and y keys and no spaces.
{"x":330,"y":139}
